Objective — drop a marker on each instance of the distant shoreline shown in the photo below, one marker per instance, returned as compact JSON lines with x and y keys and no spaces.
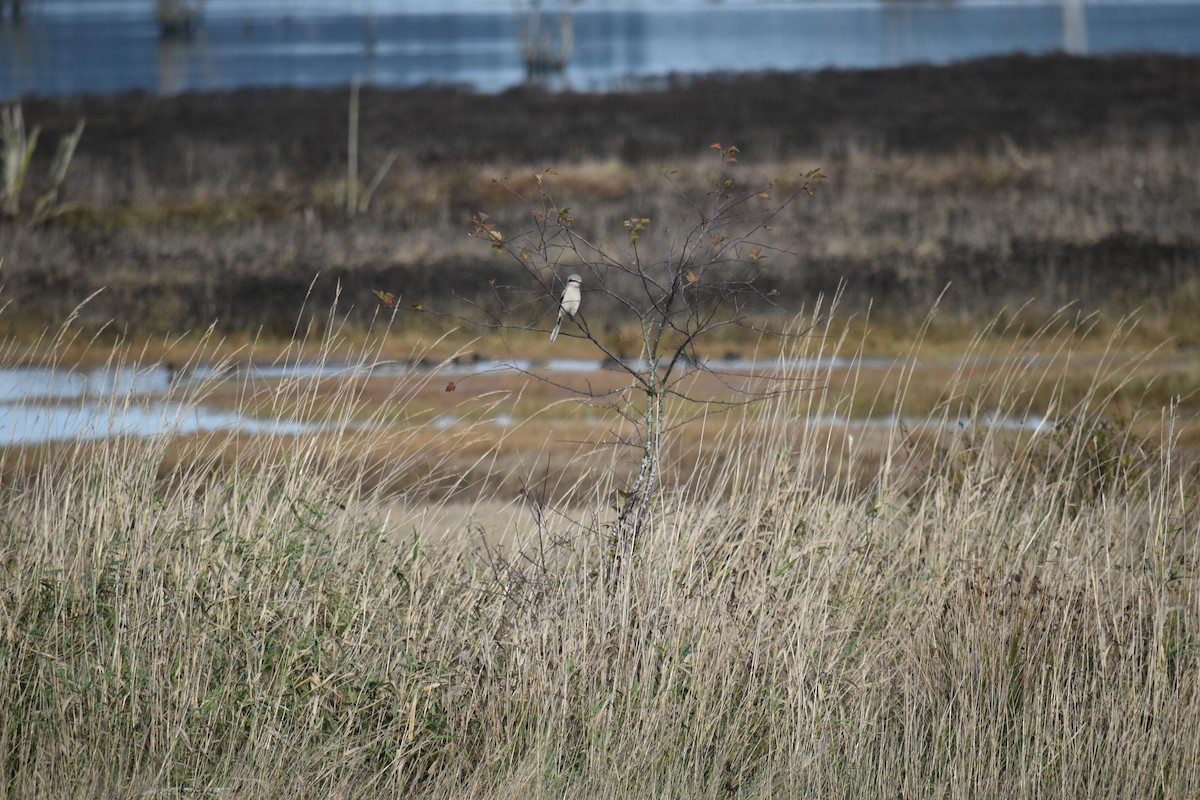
{"x":915,"y":108}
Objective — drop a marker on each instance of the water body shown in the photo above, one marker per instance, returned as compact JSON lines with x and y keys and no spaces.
{"x":41,"y":423}
{"x":70,"y":46}
{"x":40,"y":405}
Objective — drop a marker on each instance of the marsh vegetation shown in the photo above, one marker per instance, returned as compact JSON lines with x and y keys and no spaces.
{"x":1054,"y":180}
{"x":958,"y":556}
{"x":959,"y":609}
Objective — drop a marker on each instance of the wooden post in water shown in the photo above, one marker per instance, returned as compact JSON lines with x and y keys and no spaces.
{"x":178,"y":17}
{"x":543,"y":51}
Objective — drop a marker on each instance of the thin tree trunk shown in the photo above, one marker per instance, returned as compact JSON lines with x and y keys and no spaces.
{"x":635,"y":511}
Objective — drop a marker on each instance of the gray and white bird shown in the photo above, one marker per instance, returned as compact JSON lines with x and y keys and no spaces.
{"x":569,"y":304}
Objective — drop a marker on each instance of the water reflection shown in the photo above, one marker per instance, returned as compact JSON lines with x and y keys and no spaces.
{"x":41,"y":423}
{"x":39,"y":405}
{"x":21,"y":384}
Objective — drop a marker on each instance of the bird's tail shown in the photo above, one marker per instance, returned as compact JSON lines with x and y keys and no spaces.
{"x":557,"y":325}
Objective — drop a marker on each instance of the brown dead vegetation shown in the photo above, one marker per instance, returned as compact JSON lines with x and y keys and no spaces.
{"x":1054,"y":180}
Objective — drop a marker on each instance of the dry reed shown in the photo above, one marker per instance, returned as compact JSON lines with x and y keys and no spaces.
{"x":991,"y":614}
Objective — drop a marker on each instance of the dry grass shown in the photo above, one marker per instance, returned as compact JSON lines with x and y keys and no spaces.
{"x":1102,"y":216}
{"x":984,"y":614}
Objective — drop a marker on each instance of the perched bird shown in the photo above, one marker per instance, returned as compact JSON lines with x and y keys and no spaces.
{"x":569,"y":304}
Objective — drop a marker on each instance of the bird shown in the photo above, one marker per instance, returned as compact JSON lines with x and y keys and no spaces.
{"x":569,"y":304}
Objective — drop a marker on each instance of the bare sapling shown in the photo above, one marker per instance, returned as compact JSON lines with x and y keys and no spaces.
{"x":702,"y":275}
